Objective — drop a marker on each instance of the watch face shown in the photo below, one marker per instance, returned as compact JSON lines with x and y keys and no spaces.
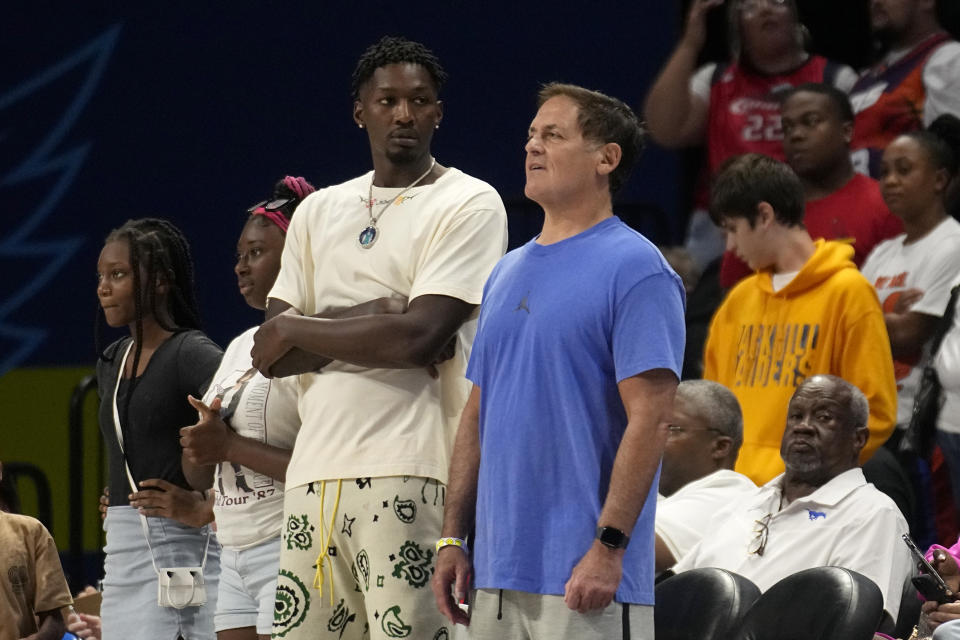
{"x":612,"y":537}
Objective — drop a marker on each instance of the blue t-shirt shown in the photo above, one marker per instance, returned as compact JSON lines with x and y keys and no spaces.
{"x":559,"y":327}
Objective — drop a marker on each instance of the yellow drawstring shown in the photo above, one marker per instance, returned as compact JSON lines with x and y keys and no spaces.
{"x":318,"y":576}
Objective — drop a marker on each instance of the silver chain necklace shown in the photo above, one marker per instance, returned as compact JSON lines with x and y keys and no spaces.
{"x":368,"y":237}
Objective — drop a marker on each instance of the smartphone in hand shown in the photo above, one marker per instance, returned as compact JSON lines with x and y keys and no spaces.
{"x":930,"y":585}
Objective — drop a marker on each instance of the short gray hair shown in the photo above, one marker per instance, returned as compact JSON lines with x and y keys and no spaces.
{"x":859,"y":407}
{"x":716,"y":405}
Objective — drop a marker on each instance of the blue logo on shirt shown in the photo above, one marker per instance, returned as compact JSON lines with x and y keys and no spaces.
{"x":816,"y":514}
{"x":523,"y":304}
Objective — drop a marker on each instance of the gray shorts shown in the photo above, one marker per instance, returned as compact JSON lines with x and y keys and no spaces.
{"x":496,"y":614}
{"x":129,"y":608}
{"x":248,"y":587}
{"x":947,"y":631}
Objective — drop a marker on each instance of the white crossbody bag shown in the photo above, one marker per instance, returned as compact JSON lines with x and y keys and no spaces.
{"x":177,"y":587}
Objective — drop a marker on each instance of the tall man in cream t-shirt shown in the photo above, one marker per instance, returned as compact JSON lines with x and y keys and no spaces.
{"x":366,"y":483}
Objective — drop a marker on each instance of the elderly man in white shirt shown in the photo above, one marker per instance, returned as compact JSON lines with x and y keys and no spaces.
{"x":697,"y":477}
{"x":821,"y":511}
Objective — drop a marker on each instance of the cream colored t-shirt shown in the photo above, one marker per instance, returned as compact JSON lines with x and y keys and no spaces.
{"x":439,"y":239}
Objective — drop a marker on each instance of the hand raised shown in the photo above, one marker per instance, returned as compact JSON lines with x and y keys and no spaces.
{"x":208,"y":441}
{"x":695,"y":31}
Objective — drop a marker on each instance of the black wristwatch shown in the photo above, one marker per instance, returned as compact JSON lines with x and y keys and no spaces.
{"x":612,"y":537}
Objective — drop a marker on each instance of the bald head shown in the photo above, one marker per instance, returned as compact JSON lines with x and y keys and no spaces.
{"x":844,"y":393}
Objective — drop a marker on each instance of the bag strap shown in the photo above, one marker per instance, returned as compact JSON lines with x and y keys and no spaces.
{"x":133,"y":485}
{"x":945,"y":322}
{"x":116,"y":416}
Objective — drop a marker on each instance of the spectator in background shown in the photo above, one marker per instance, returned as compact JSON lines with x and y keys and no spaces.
{"x":916,"y":80}
{"x":913,"y":272}
{"x":820,"y":511}
{"x":839,"y":203}
{"x":733,"y":107}
{"x":32,"y":586}
{"x":806,"y":311}
{"x":704,"y":435}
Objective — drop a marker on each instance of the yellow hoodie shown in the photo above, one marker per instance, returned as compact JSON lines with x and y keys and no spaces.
{"x":763,"y":344}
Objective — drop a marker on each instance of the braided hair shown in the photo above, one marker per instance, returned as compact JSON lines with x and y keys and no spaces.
{"x":396,"y":50}
{"x":159,"y":254}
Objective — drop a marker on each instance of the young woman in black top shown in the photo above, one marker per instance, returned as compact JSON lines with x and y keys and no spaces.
{"x":145,"y":283}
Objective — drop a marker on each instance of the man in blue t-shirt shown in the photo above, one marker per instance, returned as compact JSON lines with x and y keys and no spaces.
{"x":574,"y":367}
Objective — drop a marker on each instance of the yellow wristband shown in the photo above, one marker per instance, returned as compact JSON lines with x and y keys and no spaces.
{"x":452,"y":542}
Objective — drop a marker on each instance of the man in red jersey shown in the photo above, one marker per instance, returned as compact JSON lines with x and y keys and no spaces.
{"x":839,"y":203}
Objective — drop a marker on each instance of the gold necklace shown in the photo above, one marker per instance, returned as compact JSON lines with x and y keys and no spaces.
{"x":368,"y":237}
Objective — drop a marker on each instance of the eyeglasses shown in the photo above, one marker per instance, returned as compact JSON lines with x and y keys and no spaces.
{"x":271,"y":205}
{"x":752,"y":6}
{"x":759,"y":543}
{"x":674,"y":430}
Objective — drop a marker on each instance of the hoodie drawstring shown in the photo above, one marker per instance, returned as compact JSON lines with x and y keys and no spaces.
{"x":326,"y":536}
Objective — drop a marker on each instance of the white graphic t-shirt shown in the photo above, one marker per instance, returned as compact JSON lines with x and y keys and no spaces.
{"x":930,"y":264}
{"x":249,"y":505}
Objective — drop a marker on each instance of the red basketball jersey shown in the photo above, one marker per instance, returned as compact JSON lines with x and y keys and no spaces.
{"x":745,"y":108}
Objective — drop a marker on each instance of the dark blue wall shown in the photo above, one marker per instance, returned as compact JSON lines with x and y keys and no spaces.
{"x":191,"y":112}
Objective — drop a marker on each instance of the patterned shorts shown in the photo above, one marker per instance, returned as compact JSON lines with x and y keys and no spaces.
{"x":356,"y":559}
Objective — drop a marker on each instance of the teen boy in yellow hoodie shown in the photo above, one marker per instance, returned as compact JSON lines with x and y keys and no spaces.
{"x":806,"y":310}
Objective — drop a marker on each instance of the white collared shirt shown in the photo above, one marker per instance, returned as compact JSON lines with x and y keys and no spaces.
{"x":846,"y":523}
{"x":683,"y":517}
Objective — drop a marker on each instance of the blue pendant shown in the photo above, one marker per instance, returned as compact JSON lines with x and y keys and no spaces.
{"x":368,"y":237}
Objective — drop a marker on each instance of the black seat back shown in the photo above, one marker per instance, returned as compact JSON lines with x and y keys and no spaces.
{"x":823,"y":603}
{"x":702,"y":604}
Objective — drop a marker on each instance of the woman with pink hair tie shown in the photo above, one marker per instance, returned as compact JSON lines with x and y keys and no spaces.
{"x":241,"y":444}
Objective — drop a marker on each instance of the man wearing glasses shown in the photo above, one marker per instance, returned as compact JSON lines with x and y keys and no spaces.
{"x":697,"y":477}
{"x":821,"y":511}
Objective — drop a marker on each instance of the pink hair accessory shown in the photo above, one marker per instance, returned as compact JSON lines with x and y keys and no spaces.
{"x":276,"y":217}
{"x":299,"y":186}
